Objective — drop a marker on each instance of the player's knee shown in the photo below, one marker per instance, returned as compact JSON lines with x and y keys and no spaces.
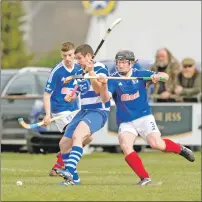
{"x":61,"y":144}
{"x":65,"y":144}
{"x":87,"y":140}
{"x":127,"y":149}
{"x":124,"y":144}
{"x":156,"y":142}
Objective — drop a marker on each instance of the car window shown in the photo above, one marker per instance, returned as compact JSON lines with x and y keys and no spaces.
{"x":41,"y":80}
{"x":22,"y":85}
{"x":4,"y":79}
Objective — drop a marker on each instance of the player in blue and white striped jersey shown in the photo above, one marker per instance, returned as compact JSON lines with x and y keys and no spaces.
{"x":93,"y":114}
{"x":55,"y":96}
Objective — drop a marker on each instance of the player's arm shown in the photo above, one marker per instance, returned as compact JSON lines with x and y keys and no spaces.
{"x":154,"y":75}
{"x":47,"y":104}
{"x":94,"y":82}
{"x":107,"y":88}
{"x":73,"y":95}
{"x":102,"y":73}
{"x":50,"y":87}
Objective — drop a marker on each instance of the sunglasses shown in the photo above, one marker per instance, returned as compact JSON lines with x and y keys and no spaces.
{"x":187,"y":66}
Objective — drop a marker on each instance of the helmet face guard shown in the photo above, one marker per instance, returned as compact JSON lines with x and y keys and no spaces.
{"x":124,"y":55}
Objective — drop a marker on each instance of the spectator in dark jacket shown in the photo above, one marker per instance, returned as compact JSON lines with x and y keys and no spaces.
{"x":189,"y":81}
{"x":165,"y":62}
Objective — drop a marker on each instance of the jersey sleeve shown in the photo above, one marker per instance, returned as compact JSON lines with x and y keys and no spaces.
{"x":103,"y":71}
{"x":111,"y":87}
{"x":145,"y":73}
{"x":138,"y":66}
{"x":52,"y":81}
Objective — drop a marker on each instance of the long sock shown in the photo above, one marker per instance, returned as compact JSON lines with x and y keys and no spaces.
{"x":76,"y":176}
{"x":136,"y":164}
{"x":172,"y":146}
{"x":66,"y":156}
{"x":59,"y":163}
{"x":74,"y":158}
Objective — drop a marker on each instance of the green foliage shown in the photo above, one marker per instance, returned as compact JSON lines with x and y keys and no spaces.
{"x":14,"y":53}
{"x":48,"y":60}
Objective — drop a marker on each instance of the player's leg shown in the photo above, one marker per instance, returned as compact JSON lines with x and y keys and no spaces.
{"x":59,"y":164}
{"x":61,"y":125}
{"x":65,"y":145}
{"x":66,"y":153}
{"x":91,"y":122}
{"x":127,"y":137}
{"x":153,"y":137}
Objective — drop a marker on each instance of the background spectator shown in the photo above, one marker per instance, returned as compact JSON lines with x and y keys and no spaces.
{"x":189,"y":81}
{"x":165,"y":62}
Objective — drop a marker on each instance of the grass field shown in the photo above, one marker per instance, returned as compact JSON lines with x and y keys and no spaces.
{"x":104,"y":177}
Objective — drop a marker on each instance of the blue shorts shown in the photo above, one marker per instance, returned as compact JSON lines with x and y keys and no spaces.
{"x":94,"y":118}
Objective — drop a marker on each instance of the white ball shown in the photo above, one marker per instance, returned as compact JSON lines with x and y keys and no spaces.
{"x":19,"y":182}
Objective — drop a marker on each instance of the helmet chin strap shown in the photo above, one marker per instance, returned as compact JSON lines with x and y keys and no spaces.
{"x":123,"y":73}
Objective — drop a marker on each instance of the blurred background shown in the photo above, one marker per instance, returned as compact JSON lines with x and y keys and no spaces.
{"x":165,"y":36}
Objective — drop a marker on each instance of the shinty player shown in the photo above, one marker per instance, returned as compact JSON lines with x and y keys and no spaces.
{"x":134,"y":115}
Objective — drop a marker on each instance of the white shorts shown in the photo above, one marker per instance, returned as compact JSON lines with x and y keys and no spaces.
{"x":142,"y":126}
{"x":61,"y":123}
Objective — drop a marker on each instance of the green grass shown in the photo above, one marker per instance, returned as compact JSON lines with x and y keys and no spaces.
{"x":104,"y":177}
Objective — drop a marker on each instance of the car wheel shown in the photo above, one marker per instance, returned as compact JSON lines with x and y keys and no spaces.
{"x":32,"y":149}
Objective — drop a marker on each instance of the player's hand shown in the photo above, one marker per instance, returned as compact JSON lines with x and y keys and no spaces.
{"x":89,"y":65}
{"x":155,"y":78}
{"x":70,"y":98}
{"x":47,"y":119}
{"x":102,"y":79}
{"x":67,"y":79}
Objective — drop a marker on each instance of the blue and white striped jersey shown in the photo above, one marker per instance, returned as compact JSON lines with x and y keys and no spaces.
{"x":89,"y":98}
{"x":55,"y":85}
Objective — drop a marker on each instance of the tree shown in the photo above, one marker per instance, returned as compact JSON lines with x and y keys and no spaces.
{"x":14,"y":54}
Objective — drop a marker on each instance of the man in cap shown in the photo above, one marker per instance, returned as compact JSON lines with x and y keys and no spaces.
{"x":189,"y":81}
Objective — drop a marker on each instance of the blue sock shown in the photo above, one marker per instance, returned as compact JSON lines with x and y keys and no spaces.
{"x":74,"y":158}
{"x":76,"y":176}
{"x":65,"y":157}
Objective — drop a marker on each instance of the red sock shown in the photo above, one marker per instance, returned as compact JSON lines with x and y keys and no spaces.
{"x":59,"y":163}
{"x":172,"y":146}
{"x":135,"y":163}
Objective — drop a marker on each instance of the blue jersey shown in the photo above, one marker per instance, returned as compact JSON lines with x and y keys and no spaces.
{"x":89,"y":98}
{"x":130,"y":96}
{"x":55,"y":85}
{"x":138,"y":66}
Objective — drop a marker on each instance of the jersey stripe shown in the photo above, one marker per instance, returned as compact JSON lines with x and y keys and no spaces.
{"x":92,"y":100}
{"x":53,"y":71}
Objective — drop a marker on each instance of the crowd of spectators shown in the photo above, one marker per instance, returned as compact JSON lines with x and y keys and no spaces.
{"x":184,"y":84}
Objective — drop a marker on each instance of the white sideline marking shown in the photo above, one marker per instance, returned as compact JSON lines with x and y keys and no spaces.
{"x":80,"y":171}
{"x":42,"y":171}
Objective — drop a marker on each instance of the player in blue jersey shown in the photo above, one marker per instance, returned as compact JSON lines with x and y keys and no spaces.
{"x":134,"y":115}
{"x":92,"y":116}
{"x":56,"y":94}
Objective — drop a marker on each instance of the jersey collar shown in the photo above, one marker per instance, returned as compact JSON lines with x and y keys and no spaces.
{"x":69,"y":70}
{"x":130,"y":73}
